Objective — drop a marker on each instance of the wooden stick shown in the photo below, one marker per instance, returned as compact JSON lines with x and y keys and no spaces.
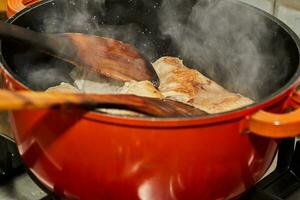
{"x":23,"y":100}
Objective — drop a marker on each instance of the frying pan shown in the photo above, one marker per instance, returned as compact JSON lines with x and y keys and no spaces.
{"x":90,"y":155}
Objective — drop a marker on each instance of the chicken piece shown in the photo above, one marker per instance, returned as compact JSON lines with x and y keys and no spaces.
{"x":88,"y":86}
{"x":141,"y":88}
{"x":189,"y":86}
{"x":92,"y":83}
{"x":63,"y":87}
{"x":89,"y":82}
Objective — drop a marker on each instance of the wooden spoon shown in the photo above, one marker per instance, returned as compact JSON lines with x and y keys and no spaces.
{"x":23,"y":100}
{"x":105,"y":56}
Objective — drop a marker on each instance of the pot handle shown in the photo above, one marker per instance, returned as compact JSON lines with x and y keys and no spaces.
{"x":277,"y":125}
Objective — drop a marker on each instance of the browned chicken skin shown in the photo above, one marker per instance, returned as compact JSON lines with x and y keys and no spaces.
{"x":177,"y":82}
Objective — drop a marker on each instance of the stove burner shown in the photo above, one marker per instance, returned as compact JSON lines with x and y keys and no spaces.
{"x":283,"y":183}
{"x":10,"y":162}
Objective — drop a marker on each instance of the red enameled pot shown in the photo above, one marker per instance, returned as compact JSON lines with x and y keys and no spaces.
{"x":88,"y":155}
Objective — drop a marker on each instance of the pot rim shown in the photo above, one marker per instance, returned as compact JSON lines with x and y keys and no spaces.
{"x":240,"y":113}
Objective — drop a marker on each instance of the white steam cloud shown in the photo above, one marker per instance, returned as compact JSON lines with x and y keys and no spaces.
{"x":233,"y":46}
{"x":230,"y":44}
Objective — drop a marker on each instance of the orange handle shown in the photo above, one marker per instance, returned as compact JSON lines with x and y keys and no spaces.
{"x":277,"y":125}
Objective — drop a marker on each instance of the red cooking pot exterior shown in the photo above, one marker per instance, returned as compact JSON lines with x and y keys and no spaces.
{"x":14,"y":6}
{"x":87,"y":155}
{"x":91,"y":156}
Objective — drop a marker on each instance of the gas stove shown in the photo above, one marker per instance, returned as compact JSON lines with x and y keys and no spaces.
{"x":283,"y":183}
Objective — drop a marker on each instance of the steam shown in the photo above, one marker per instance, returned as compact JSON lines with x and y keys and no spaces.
{"x":233,"y":46}
{"x":77,"y":16}
{"x":230,"y":44}
{"x":45,"y":76}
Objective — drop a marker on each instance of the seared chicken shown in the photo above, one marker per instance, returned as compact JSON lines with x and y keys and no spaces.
{"x":91,"y":83}
{"x":63,"y":87}
{"x":142,"y":88}
{"x":186,"y":85}
{"x":177,"y":82}
{"x":101,"y":85}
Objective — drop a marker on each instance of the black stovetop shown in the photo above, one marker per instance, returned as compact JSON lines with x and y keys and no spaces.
{"x":282,"y":183}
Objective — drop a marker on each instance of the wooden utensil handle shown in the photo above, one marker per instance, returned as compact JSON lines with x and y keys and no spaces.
{"x":31,"y":100}
{"x":43,"y":42}
{"x":37,"y":100}
{"x":151,"y":106}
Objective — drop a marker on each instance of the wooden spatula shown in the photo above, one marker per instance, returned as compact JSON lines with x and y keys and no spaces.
{"x":23,"y":100}
{"x":105,"y":56}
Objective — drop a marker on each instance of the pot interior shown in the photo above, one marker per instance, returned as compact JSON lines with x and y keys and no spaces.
{"x":243,"y":49}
